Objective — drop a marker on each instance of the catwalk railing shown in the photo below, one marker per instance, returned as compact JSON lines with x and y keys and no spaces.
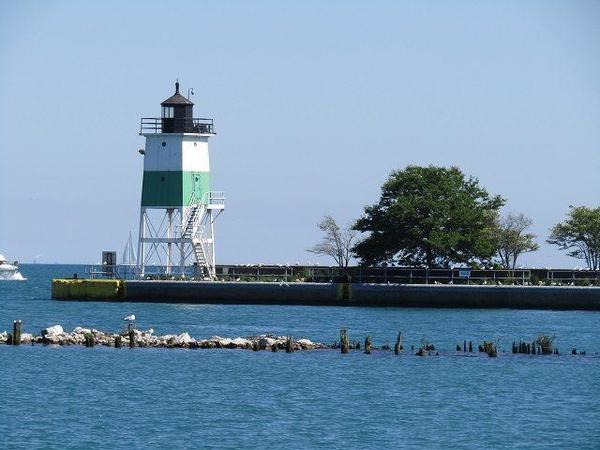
{"x":156,"y":125}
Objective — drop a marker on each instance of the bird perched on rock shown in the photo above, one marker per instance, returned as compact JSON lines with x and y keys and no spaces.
{"x":131,"y":321}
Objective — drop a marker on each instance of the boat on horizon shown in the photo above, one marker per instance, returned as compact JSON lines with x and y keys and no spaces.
{"x":9,"y":271}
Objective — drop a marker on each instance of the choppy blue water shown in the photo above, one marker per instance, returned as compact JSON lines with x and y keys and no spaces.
{"x":74,"y":397}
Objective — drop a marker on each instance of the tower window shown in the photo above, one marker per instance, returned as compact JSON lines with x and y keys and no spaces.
{"x":164,"y":144}
{"x":167,"y":112}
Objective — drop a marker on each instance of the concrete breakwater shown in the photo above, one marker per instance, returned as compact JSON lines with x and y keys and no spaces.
{"x":330,"y":294}
{"x":90,"y":337}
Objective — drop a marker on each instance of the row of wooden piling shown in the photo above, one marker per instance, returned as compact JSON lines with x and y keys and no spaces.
{"x":533,"y":348}
{"x":541,"y":346}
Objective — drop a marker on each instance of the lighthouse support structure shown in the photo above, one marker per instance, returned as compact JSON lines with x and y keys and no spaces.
{"x":178,"y":209}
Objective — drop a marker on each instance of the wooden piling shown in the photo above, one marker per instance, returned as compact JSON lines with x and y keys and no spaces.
{"x":470,"y":347}
{"x":344,"y":344}
{"x":465,"y":346}
{"x":368,"y":345}
{"x":16,"y":336}
{"x":398,"y":346}
{"x":289,"y":345}
{"x":118,"y":341}
{"x":458,"y":347}
{"x":573,"y":351}
{"x":131,"y":338}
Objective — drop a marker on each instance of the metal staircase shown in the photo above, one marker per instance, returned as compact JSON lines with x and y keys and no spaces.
{"x":197,"y":230}
{"x":191,"y":223}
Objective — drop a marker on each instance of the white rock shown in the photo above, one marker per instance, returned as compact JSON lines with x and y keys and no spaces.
{"x":54,"y":330}
{"x":80,"y":330}
{"x":305,"y":342}
{"x":26,"y":338}
{"x":184,"y":338}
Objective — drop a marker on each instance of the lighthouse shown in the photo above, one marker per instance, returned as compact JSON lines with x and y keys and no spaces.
{"x":178,"y":207}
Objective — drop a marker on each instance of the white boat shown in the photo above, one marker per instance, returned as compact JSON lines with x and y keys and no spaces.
{"x":9,"y":271}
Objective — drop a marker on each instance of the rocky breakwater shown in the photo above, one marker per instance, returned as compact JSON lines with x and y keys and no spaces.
{"x":89,"y":337}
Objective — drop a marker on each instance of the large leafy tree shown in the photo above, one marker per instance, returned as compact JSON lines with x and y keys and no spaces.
{"x":429,"y":216}
{"x":580,"y":235}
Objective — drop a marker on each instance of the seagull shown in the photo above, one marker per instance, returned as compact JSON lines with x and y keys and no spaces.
{"x":131,"y":322}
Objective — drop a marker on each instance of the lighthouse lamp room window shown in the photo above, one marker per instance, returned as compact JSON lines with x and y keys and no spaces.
{"x":167,"y":112}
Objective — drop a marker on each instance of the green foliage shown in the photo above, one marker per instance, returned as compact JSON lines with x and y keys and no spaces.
{"x":579,"y":234}
{"x":512,"y":239}
{"x":429,"y":216}
{"x":546,"y":343}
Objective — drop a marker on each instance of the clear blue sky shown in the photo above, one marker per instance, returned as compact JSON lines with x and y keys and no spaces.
{"x":314,"y":102}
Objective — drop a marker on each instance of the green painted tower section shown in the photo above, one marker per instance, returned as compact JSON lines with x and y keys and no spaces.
{"x":174,"y":189}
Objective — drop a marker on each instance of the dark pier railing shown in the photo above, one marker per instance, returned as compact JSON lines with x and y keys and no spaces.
{"x":155,"y":125}
{"x":382,"y":275}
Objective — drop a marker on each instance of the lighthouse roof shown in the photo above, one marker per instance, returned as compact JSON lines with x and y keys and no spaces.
{"x":177,"y":98}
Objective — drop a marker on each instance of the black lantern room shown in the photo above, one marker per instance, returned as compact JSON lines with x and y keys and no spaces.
{"x":177,"y":114}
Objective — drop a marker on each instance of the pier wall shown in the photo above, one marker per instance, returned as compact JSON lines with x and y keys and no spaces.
{"x":87,"y":289}
{"x":331,"y":294}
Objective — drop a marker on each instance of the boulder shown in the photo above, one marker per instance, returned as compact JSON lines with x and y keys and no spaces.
{"x":305,"y":343}
{"x":82,"y":331}
{"x":54,"y":330}
{"x":184,"y":338}
{"x":241,"y":343}
{"x":264,"y":342}
{"x":221,"y":342}
{"x":26,"y":338}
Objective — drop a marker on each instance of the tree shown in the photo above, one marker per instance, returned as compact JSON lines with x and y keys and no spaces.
{"x":512,"y":240}
{"x":580,"y":235}
{"x":336,"y":242}
{"x":429,"y":216}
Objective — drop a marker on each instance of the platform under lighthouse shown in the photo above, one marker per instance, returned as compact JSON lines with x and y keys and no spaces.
{"x":178,"y":207}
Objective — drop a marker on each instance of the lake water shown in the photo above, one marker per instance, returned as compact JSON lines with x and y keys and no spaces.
{"x":75,"y":397}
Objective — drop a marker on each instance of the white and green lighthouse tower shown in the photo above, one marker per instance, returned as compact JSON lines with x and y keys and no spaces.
{"x":178,"y":208}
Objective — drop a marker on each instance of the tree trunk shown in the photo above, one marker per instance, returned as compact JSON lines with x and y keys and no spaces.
{"x":429,"y":258}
